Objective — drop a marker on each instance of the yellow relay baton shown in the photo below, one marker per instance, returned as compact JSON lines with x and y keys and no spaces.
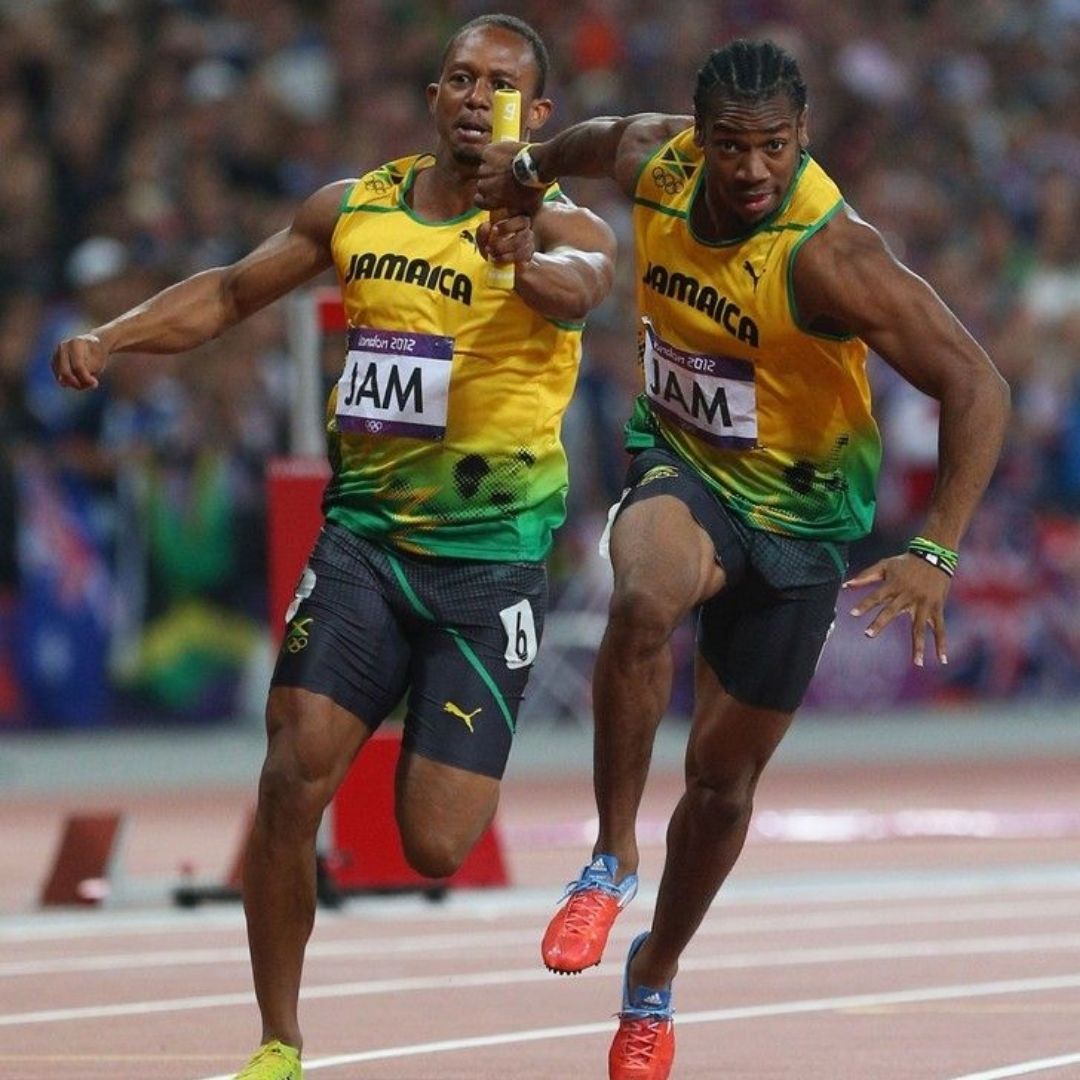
{"x":505,"y":126}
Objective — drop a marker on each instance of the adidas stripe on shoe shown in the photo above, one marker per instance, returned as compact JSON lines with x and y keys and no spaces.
{"x":644,"y":1045}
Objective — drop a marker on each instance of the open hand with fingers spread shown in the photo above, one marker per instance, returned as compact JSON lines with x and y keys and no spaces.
{"x":78,"y":361}
{"x":908,"y":584}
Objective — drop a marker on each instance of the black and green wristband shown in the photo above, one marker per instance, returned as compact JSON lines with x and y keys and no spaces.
{"x":943,"y":558}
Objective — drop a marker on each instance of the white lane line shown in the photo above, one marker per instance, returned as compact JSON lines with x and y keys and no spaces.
{"x":719,"y":925}
{"x":486,"y":905}
{"x":734,"y":961}
{"x":715,"y":1016}
{"x":1023,"y":1068}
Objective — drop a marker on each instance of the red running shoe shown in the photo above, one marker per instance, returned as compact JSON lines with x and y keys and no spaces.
{"x":644,"y":1045}
{"x":576,"y":936}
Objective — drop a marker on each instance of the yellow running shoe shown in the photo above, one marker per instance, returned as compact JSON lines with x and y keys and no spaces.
{"x":273,"y":1061}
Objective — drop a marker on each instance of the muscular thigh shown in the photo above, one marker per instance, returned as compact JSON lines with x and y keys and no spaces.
{"x":310,"y":737}
{"x":730,"y":742}
{"x":344,"y":637}
{"x":763,"y":641}
{"x":669,"y":536}
{"x":435,"y":799}
{"x":478,"y":631}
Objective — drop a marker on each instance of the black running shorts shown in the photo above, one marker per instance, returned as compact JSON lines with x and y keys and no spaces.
{"x":369,"y":626}
{"x":764,"y":631}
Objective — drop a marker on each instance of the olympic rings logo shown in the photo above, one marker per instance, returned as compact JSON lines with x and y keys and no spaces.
{"x":671,"y":185}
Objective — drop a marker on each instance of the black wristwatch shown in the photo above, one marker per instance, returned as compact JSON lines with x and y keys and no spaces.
{"x":525,"y":171}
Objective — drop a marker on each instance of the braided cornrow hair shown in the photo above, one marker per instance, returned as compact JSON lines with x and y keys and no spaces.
{"x":751,"y":71}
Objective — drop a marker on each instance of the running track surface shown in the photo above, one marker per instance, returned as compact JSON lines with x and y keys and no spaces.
{"x":913,"y":920}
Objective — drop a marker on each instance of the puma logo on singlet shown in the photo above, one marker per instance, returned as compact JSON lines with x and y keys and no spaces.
{"x":755,"y":277}
{"x":453,"y":710}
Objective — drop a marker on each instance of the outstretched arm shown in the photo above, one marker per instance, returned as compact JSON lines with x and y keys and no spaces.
{"x":205,"y":305}
{"x":847,"y":280}
{"x":564,"y":258}
{"x":610,"y":146}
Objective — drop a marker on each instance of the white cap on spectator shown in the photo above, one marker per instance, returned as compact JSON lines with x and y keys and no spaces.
{"x":99,"y":259}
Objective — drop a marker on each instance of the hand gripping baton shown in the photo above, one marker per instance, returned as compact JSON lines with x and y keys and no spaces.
{"x":505,"y":125}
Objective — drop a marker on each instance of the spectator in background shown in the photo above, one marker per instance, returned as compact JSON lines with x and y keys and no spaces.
{"x":929,"y":112}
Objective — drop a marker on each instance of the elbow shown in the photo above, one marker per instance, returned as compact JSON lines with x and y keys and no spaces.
{"x":978,"y":388}
{"x":595,"y":291}
{"x":576,"y":308}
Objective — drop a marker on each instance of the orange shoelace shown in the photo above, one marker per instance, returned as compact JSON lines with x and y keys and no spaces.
{"x":641,"y":1039}
{"x":586,"y":908}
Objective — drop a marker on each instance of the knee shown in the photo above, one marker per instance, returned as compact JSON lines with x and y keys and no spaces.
{"x":433,"y":854}
{"x":291,"y":800}
{"x":720,"y":803}
{"x":640,"y":617}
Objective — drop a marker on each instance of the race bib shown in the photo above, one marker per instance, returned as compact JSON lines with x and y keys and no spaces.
{"x":520,"y":627}
{"x":713,"y":397}
{"x":395,"y":383}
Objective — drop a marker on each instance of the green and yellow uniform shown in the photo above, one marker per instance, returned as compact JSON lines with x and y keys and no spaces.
{"x":774,"y":416}
{"x":444,"y":428}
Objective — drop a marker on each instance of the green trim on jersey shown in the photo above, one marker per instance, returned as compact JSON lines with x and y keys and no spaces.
{"x":811,"y":231}
{"x":455,"y":456}
{"x":776,"y":419}
{"x":661,"y":208}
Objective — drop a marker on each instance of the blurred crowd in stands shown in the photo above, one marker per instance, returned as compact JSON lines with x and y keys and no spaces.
{"x":144,"y":140}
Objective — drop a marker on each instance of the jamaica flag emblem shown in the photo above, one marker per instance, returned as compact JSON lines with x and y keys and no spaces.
{"x":673,"y":171}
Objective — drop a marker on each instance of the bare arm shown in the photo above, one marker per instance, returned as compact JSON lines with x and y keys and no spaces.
{"x":847,"y":280}
{"x":207,"y":304}
{"x":564,"y":258}
{"x":610,"y":146}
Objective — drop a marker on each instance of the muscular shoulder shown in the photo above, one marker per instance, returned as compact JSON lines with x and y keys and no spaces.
{"x":643,"y":135}
{"x":838,"y":270}
{"x":318,"y":213}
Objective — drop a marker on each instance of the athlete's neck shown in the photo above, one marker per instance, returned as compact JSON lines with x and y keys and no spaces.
{"x":443,"y":190}
{"x":703,"y":217}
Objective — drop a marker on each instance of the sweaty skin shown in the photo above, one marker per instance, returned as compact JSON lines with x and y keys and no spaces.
{"x":564,"y":262}
{"x":845,"y":282}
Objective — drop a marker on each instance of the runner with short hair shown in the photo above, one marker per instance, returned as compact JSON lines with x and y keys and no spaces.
{"x":449,"y":478}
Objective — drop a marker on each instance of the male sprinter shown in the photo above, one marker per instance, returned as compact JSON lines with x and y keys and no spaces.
{"x":448,"y":479}
{"x":755,"y":461}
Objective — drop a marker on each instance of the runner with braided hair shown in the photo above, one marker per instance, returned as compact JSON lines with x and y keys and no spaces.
{"x":755,"y":458}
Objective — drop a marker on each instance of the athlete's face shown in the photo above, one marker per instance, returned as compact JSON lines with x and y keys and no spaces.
{"x":751,"y":155}
{"x":480,"y":62}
